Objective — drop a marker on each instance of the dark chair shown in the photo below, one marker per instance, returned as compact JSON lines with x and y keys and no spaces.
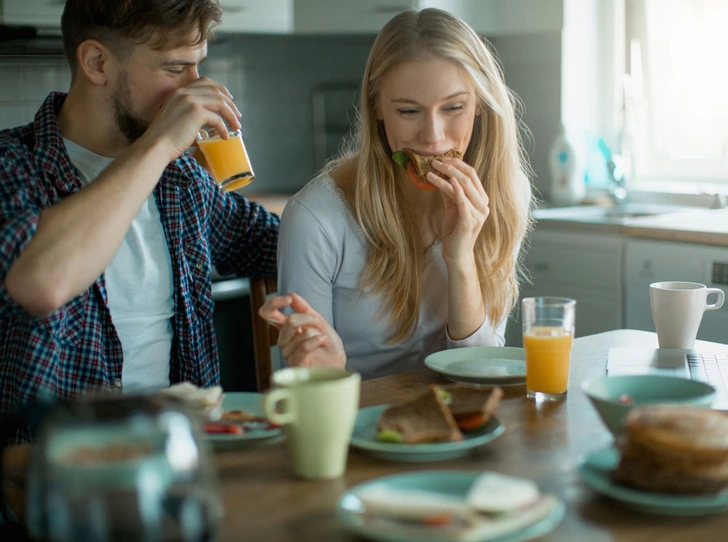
{"x":264,"y":335}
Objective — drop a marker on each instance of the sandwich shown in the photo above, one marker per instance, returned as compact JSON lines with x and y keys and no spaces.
{"x":471,"y":407}
{"x":206,"y":401}
{"x":674,"y":449}
{"x":425,"y":418}
{"x":479,"y":514}
{"x":418,"y":165}
{"x":440,"y":414}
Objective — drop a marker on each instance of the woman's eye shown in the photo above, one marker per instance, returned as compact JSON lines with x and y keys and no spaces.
{"x":455,"y":108}
{"x":407,"y":112}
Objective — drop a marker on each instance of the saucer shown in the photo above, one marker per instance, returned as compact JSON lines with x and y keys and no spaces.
{"x":364,"y":437}
{"x":595,"y":469}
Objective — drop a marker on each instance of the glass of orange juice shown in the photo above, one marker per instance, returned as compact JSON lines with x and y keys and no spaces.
{"x":226,"y":159}
{"x":548,"y":331}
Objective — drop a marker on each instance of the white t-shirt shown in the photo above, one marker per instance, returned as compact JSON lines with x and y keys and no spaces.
{"x":322,"y":256}
{"x":139,"y":287}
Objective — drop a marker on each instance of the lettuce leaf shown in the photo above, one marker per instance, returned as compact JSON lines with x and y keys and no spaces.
{"x":401,"y":158}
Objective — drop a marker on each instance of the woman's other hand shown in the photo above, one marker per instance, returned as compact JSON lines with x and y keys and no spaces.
{"x":306,"y":339}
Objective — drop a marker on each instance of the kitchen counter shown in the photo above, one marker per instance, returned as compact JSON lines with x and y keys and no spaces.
{"x":704,"y":226}
{"x":274,"y":203}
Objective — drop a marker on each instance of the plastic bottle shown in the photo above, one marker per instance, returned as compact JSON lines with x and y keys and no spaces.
{"x":567,"y":171}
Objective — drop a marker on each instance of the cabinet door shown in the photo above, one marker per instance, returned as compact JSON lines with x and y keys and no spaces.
{"x":347,"y":16}
{"x":42,"y":14}
{"x":596,"y":312}
{"x":256,"y":16}
{"x":508,"y":17}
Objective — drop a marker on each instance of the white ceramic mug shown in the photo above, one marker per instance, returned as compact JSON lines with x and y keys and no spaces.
{"x":317,"y":407}
{"x":677,"y":310}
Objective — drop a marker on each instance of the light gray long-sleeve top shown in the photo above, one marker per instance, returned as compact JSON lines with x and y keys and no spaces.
{"x":322,"y":257}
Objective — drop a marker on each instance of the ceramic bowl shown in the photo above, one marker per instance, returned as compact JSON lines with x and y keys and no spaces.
{"x":614,"y":396}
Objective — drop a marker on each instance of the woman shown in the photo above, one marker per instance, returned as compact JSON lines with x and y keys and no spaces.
{"x":402,"y":268}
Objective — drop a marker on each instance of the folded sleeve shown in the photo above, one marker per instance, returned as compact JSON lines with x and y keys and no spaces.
{"x":485,"y":335}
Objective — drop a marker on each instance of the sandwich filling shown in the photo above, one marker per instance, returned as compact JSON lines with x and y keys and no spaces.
{"x":417,"y":166}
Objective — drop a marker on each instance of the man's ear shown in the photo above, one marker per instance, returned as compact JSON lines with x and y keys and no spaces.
{"x":93,"y":61}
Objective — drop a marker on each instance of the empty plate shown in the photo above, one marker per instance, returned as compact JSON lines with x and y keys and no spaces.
{"x":494,"y":365}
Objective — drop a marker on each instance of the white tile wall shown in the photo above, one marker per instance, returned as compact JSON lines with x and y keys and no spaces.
{"x":272,"y":79}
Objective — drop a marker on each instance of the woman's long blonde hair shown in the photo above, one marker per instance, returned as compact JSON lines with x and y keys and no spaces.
{"x":397,"y":254}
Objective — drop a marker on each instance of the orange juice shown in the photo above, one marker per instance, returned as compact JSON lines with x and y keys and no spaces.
{"x":228,"y":161}
{"x":548,"y":351}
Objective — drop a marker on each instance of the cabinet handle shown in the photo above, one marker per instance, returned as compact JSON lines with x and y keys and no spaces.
{"x":542,"y":267}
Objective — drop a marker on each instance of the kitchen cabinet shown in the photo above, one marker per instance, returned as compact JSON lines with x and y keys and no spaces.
{"x":488,"y":17}
{"x":648,"y":261}
{"x":583,"y":266}
{"x":257,"y":17}
{"x":253,"y":16}
{"x":41,"y":14}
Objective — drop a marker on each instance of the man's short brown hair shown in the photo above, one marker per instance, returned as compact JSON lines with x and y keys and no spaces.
{"x":167,"y":23}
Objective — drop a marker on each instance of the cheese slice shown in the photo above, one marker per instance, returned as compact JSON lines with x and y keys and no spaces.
{"x":495,"y":492}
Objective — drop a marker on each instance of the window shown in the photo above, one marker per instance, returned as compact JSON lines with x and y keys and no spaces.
{"x":675,"y":106}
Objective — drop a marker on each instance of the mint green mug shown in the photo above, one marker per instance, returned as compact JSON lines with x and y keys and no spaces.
{"x":317,"y":407}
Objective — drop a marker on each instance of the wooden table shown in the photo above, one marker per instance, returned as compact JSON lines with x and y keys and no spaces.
{"x":264,"y":502}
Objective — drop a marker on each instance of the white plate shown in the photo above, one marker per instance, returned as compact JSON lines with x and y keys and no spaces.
{"x":350,"y":510}
{"x":249,"y":402}
{"x":495,"y":365}
{"x":364,"y":437}
{"x":596,"y":468}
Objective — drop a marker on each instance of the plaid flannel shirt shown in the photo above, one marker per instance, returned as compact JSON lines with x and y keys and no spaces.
{"x":76,"y":347}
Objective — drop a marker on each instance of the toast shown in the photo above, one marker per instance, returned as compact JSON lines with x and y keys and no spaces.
{"x":472,"y":407}
{"x":423,"y":163}
{"x":425,"y":418}
{"x":674,"y":449}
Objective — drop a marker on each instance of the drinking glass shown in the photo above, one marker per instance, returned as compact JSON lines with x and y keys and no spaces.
{"x":548,"y":332}
{"x":226,"y":159}
{"x":125,"y":468}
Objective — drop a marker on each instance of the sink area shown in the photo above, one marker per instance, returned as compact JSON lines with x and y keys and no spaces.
{"x":617,"y":214}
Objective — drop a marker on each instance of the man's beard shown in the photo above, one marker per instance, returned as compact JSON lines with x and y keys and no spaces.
{"x":131,"y":126}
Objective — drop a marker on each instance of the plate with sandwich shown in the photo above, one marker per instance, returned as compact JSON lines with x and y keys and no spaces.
{"x":494,"y":365}
{"x":447,"y":506}
{"x":669,"y":459}
{"x":442,"y":422}
{"x":231,"y":419}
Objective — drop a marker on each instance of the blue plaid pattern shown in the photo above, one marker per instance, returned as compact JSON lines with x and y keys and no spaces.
{"x":76,"y":348}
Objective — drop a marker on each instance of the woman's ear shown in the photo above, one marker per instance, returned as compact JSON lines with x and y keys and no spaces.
{"x":93,"y":61}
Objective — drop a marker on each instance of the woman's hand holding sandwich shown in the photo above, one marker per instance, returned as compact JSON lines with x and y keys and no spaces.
{"x":465,"y":212}
{"x":306,"y":339}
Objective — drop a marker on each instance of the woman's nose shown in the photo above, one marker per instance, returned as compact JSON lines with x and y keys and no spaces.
{"x":433,"y":129}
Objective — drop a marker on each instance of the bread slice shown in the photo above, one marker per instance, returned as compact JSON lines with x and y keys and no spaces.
{"x":423,"y":163}
{"x":674,"y":449}
{"x":425,"y":418}
{"x":467,"y":401}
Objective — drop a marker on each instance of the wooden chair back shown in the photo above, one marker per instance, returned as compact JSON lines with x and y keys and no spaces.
{"x":264,"y":335}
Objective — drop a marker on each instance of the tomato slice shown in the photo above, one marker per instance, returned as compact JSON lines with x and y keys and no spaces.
{"x":470,"y":422}
{"x":223,"y":428}
{"x":437,"y":520}
{"x":416,"y":180}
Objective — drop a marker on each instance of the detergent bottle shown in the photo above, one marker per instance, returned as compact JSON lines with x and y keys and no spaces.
{"x":567,"y":169}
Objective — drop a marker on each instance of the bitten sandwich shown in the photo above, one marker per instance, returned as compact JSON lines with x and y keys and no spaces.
{"x":439,"y":414}
{"x":418,"y":165}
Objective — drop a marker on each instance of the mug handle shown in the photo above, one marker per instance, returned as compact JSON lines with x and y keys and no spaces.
{"x":272,"y":399}
{"x":719,"y":302}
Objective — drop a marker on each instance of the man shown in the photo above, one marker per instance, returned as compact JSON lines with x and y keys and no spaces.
{"x":108,"y":229}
